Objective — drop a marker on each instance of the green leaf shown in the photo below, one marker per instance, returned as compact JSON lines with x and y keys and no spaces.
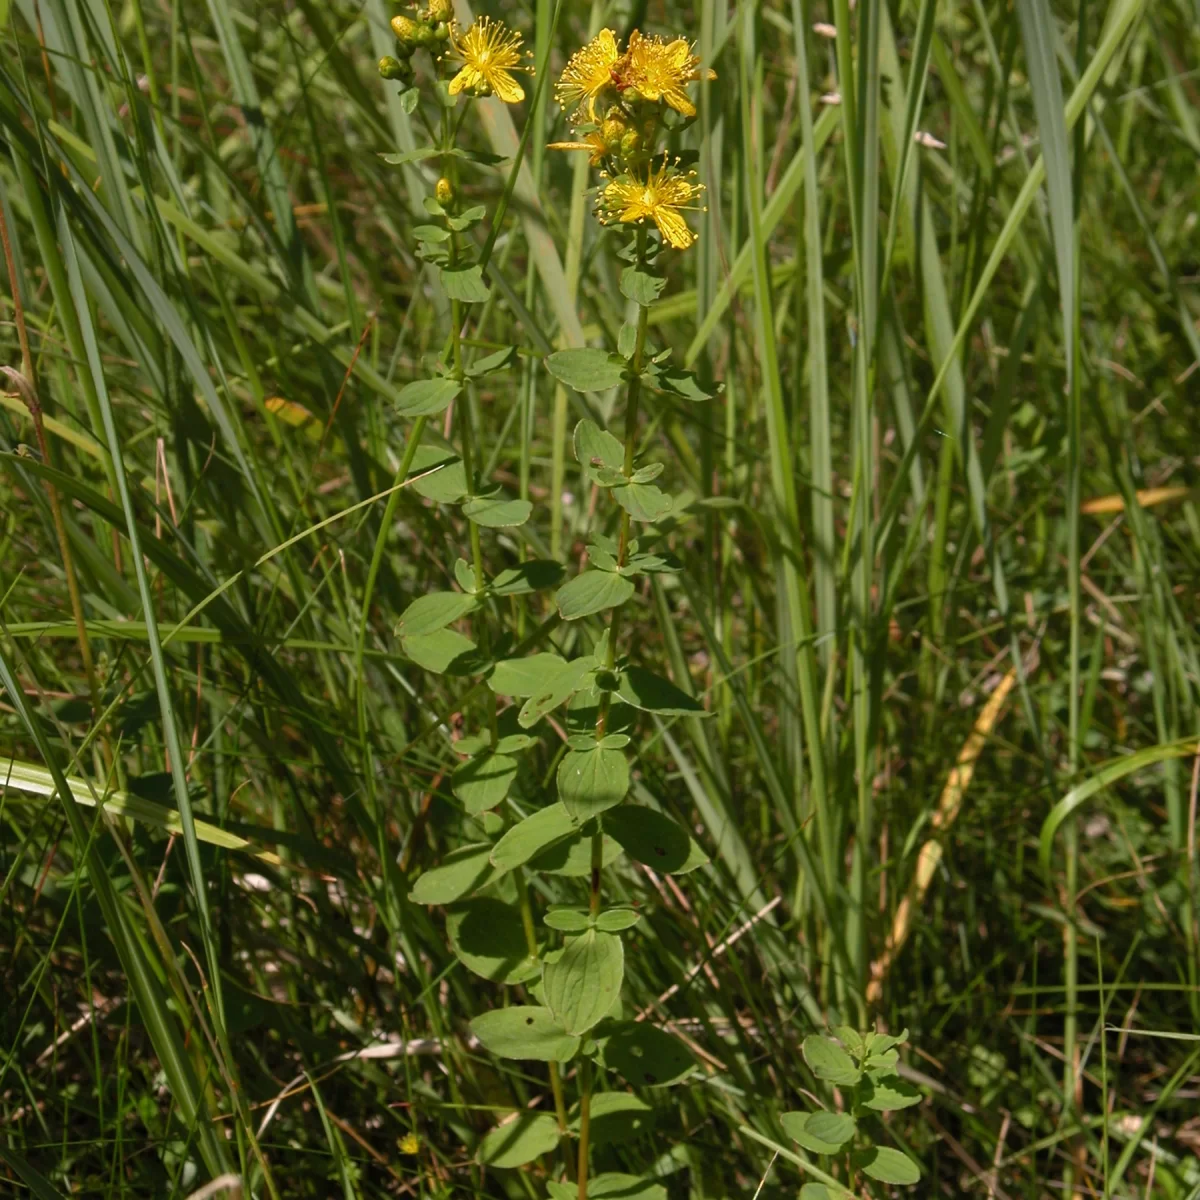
{"x":410,"y":156}
{"x":531,"y":836}
{"x":431,"y":233}
{"x":488,"y":937}
{"x":566,"y":919}
{"x":654,"y":839}
{"x":815,"y":1191}
{"x":465,"y":284}
{"x":482,"y":782}
{"x":835,"y":1128}
{"x":592,"y":592}
{"x":426,"y":397}
{"x":464,"y":871}
{"x":586,"y":370}
{"x":489,"y":363}
{"x":428,"y":614}
{"x":536,"y":575}
{"x":573,"y":857}
{"x":643,"y":501}
{"x":881,"y":1043}
{"x":590,"y":781}
{"x":829,"y":1061}
{"x":583,"y":983}
{"x":613,"y":920}
{"x":557,"y":689}
{"x":795,"y":1125}
{"x":514,"y":743}
{"x":647,"y":1056}
{"x":651,"y":693}
{"x":681,"y":383}
{"x":524,"y":676}
{"x":497,"y":512}
{"x":524,"y":1031}
{"x":890,"y":1093}
{"x":612,"y":1185}
{"x":445,"y":652}
{"x":887,"y":1165}
{"x":447,"y":484}
{"x":641,"y":286}
{"x":597,"y":447}
{"x":616,"y":1117}
{"x":519,"y":1142}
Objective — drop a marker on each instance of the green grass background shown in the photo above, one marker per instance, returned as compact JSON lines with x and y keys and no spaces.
{"x":948,"y":277}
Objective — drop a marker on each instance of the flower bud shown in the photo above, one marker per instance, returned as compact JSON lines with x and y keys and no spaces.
{"x":444,"y":191}
{"x":441,"y":32}
{"x":393,"y":68}
{"x":407,"y":31}
{"x":440,"y":10}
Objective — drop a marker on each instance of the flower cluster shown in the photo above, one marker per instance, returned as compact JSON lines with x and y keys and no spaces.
{"x":486,"y":55}
{"x":620,"y":103}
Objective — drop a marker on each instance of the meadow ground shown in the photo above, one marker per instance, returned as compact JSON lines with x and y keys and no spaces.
{"x":911,"y":665}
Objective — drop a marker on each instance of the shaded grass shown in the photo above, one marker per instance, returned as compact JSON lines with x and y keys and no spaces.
{"x":926,"y":353}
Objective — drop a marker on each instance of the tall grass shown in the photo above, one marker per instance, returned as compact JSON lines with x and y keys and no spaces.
{"x":947,"y":277}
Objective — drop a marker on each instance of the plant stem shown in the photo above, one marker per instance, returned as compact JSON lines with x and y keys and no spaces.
{"x":632,"y":403}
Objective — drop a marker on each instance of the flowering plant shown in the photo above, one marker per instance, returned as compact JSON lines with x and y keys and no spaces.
{"x":543,"y":787}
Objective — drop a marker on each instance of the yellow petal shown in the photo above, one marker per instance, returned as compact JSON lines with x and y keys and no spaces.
{"x":677,"y":98}
{"x":467,"y":77}
{"x":506,"y":87}
{"x":674,"y":228}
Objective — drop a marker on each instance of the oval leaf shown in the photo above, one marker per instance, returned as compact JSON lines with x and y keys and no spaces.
{"x":497,"y":512}
{"x":616,"y":1117}
{"x":427,"y":397}
{"x":613,"y":920}
{"x":829,"y":1061}
{"x":525,"y":676}
{"x":654,"y":839}
{"x":652,"y":693}
{"x":835,"y":1128}
{"x":890,"y":1094}
{"x":795,"y":1125}
{"x":465,"y":284}
{"x":573,"y":857}
{"x":519,"y":1142}
{"x":591,"y":781}
{"x":438,"y":475}
{"x":647,"y":1056}
{"x":444,"y":652}
{"x":428,"y":614}
{"x":524,"y":1031}
{"x":531,"y":836}
{"x":464,"y":871}
{"x":586,"y":370}
{"x":643,"y":501}
{"x":592,"y":592}
{"x":482,"y":782}
{"x":557,"y":689}
{"x":583,"y":983}
{"x":488,"y":937}
{"x":888,"y":1165}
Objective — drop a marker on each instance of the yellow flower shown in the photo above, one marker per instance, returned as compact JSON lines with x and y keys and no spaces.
{"x":593,"y":143}
{"x":661,"y":197}
{"x":599,"y":143}
{"x":588,"y":72}
{"x":409,"y":1144}
{"x":660,"y":70}
{"x":489,"y":52}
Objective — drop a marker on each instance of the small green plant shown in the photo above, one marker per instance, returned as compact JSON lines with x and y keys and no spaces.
{"x":539,"y":796}
{"x":862,"y":1067}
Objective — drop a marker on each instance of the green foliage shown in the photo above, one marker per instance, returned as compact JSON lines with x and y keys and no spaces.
{"x":861,"y":1066}
{"x":346,"y":723}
